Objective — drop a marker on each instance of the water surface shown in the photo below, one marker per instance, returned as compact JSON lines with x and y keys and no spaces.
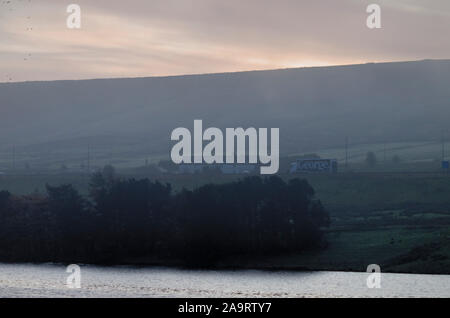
{"x":48,"y":280}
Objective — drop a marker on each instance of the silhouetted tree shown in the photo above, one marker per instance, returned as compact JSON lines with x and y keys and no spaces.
{"x":138,"y":219}
{"x":72,"y":221}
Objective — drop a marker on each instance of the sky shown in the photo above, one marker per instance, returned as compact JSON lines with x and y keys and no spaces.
{"x":139,"y":38}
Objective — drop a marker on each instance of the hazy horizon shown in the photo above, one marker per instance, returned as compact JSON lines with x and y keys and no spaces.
{"x":230,"y":72}
{"x":315,"y":108}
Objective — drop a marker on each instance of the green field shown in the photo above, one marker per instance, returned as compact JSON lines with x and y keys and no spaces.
{"x":414,"y":243}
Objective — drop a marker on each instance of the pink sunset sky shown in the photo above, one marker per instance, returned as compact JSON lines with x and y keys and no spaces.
{"x":174,"y":37}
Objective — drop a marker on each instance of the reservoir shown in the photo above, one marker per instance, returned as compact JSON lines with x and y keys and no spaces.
{"x":49,"y":280}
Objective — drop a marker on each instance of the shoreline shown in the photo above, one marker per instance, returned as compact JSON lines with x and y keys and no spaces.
{"x":225,"y":268}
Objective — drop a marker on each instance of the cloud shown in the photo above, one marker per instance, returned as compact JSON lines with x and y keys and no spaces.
{"x":172,"y":37}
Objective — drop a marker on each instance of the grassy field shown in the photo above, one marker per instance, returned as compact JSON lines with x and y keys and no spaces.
{"x":421,"y":151}
{"x":416,"y":243}
{"x":400,"y":221}
{"x":130,"y":153}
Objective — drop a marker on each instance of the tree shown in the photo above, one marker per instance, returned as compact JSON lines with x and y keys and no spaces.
{"x":71,"y":222}
{"x":130,"y":219}
{"x":101,"y":182}
{"x":4,"y":198}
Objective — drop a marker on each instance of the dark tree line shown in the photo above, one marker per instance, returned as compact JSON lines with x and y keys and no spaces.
{"x":125,"y":221}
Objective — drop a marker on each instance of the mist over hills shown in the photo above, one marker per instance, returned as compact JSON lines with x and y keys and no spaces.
{"x":314,"y":108}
